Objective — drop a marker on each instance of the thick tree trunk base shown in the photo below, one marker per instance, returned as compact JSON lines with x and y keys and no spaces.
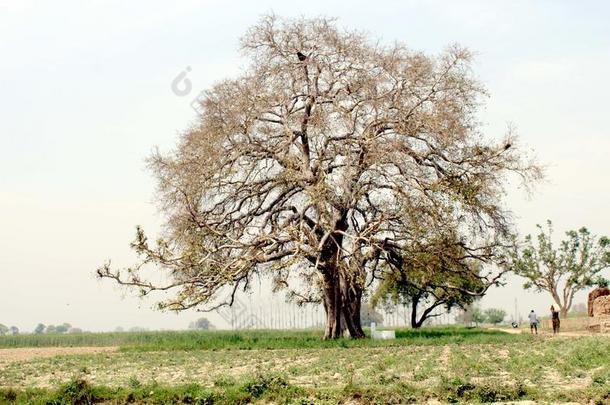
{"x":342,"y":307}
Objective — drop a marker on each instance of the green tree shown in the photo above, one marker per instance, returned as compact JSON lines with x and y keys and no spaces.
{"x":3,"y":330}
{"x":494,"y":315}
{"x":201,"y":324}
{"x":63,"y":328}
{"x":40,"y":328}
{"x":602,"y":282}
{"x":478,"y":316}
{"x":434,"y":271}
{"x":317,"y":162}
{"x":565,"y":270}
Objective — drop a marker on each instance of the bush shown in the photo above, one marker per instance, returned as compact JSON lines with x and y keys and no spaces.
{"x":263,"y":384}
{"x":76,"y":392}
{"x":457,"y":390}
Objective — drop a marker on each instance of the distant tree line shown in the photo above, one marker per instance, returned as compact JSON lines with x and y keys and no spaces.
{"x":5,"y":330}
{"x":63,"y":328}
{"x":474,"y":314}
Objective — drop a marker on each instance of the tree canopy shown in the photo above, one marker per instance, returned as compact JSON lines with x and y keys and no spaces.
{"x":433,"y":272}
{"x":317,"y":165}
{"x":494,"y":315}
{"x":201,"y":324}
{"x":564,"y":270}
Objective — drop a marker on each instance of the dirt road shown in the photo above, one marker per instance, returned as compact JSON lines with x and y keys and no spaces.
{"x":519,"y":331}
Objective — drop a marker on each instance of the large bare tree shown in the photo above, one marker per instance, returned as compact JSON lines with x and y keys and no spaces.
{"x":317,"y":162}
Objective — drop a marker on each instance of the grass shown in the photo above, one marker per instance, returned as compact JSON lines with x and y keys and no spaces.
{"x":263,"y":389}
{"x":245,"y":340}
{"x":277,"y":389}
{"x":447,"y":364}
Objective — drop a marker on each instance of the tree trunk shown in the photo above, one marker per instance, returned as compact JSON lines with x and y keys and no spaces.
{"x":415,"y":324}
{"x":332,"y":305}
{"x":342,"y":303}
{"x":342,"y":295}
{"x":351,"y":305}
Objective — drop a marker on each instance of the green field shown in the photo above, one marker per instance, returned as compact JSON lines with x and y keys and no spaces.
{"x":254,"y":339}
{"x":434,"y":364}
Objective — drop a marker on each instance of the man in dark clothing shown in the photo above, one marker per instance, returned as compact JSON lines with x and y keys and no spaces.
{"x":555,"y":319}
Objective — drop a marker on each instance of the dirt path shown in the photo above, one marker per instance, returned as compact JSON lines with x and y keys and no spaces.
{"x":512,"y":331}
{"x":29,"y":353}
{"x":518,"y":331}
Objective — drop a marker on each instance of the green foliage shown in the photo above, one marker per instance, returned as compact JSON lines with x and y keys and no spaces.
{"x":63,"y":328}
{"x":77,"y":391}
{"x":262,"y":384}
{"x":494,"y":315}
{"x":471,"y":373}
{"x":458,"y":390}
{"x":575,"y":264}
{"x":3,"y":329}
{"x":602,"y":282}
{"x":478,"y":316}
{"x":249,"y":340}
{"x":435,"y":271}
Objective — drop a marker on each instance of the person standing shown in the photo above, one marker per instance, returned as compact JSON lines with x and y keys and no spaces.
{"x":533,"y":322}
{"x":555,"y":319}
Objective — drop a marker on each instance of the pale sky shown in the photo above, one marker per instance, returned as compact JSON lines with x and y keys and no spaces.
{"x":85,"y":94}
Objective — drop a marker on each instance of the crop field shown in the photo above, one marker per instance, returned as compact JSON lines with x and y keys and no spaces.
{"x":427,"y":366}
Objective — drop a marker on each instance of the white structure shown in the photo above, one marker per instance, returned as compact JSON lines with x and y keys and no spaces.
{"x":381,"y":334}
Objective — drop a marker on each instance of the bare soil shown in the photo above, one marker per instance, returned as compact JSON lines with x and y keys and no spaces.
{"x":30,"y":353}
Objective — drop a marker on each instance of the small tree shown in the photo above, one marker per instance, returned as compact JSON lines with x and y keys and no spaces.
{"x":478,"y":316}
{"x":51,"y":329}
{"x":563,"y":271}
{"x":201,"y":324}
{"x":3,"y":330}
{"x":494,"y":315}
{"x":436,"y":271}
{"x":63,"y":328}
{"x":40,"y":328}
